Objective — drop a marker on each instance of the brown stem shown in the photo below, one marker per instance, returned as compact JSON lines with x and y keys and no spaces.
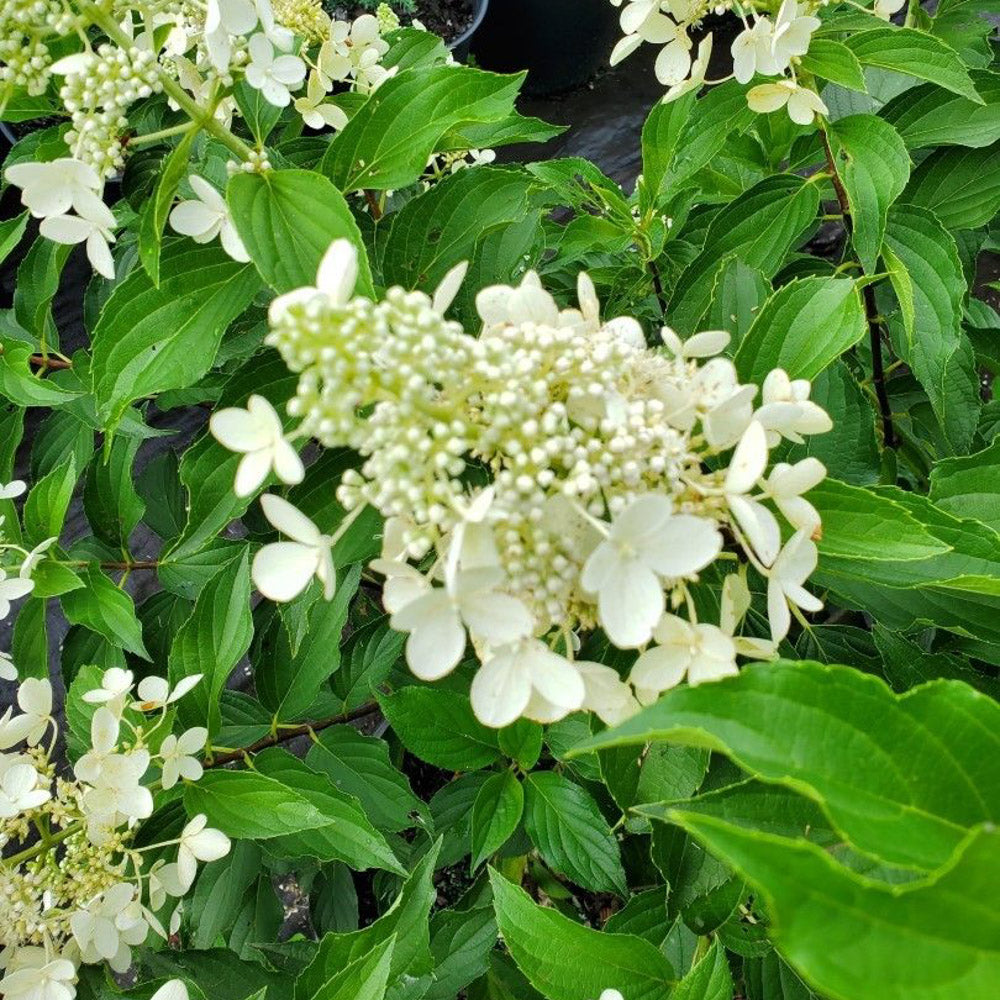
{"x":373,"y":205}
{"x":273,"y":739}
{"x":878,"y":370}
{"x":871,"y":310}
{"x":658,"y":288}
{"x":43,"y":361}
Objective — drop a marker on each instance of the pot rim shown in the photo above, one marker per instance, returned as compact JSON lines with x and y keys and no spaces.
{"x":477,"y":20}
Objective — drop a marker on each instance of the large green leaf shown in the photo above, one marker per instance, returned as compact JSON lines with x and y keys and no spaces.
{"x":710,"y":979}
{"x":388,"y":141}
{"x":874,"y":760}
{"x":287,"y":219}
{"x":439,"y":727}
{"x":105,"y":609}
{"x":874,"y":166}
{"x":914,"y":53}
{"x":363,"y":979}
{"x":835,"y":62}
{"x":496,"y":814}
{"x":855,"y":939}
{"x":449,"y":223}
{"x":288,"y":683}
{"x":951,"y":586}
{"x":566,"y":961}
{"x":567,"y":827}
{"x":969,"y":486}
{"x":760,"y":228}
{"x":803,"y":327}
{"x":212,"y":641}
{"x":930,"y":116}
{"x":299,"y":812}
{"x":150,"y":339}
{"x":939,"y":353}
{"x":960,"y":186}
{"x":360,"y":765}
{"x":407,"y":919}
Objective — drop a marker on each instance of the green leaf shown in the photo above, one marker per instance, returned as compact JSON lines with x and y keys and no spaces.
{"x":439,"y":727}
{"x":289,"y":684}
{"x":220,"y":891}
{"x":287,"y":220}
{"x":47,"y":503}
{"x":111,"y":502}
{"x":29,"y":647}
{"x":150,"y":339}
{"x":298,"y":812}
{"x":105,"y":609}
{"x":461,"y":943}
{"x":20,"y":385}
{"x":835,"y":62}
{"x":850,"y":450}
{"x":760,"y":228}
{"x":407,"y":919}
{"x":803,"y":327}
{"x":960,"y":186}
{"x":495,"y":815}
{"x":874,"y":166}
{"x":855,"y":939}
{"x":359,"y":765}
{"x":366,"y":660}
{"x":449,"y":223}
{"x":387,"y":143}
{"x":259,"y":114}
{"x":566,"y":961}
{"x":219,"y":973}
{"x":969,"y":486}
{"x":38,"y":278}
{"x":212,"y":641}
{"x":879,"y":771}
{"x":364,"y":979}
{"x":567,"y":827}
{"x":937,"y":350}
{"x":679,"y":138}
{"x":930,"y":116}
{"x":11,"y":231}
{"x":914,"y":53}
{"x":154,"y":214}
{"x":737,"y":295}
{"x":710,"y":979}
{"x":950,"y":587}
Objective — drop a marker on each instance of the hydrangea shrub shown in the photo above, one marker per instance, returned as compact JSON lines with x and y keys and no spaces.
{"x":431,"y":575}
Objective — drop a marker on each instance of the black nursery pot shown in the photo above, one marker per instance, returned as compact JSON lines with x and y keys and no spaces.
{"x":561,"y":43}
{"x":460,"y":45}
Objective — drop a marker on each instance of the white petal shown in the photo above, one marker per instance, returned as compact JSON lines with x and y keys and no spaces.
{"x":500,"y":690}
{"x":251,"y":472}
{"x":289,"y":520}
{"x":338,"y":271}
{"x":194,"y":218}
{"x":282,"y":570}
{"x":749,"y":460}
{"x":778,"y":614}
{"x":446,"y":291}
{"x":66,"y":228}
{"x":555,"y":678}
{"x":759,"y":525}
{"x":239,"y":430}
{"x":660,"y":668}
{"x":684,"y":545}
{"x":629,"y":604}
{"x":99,"y":255}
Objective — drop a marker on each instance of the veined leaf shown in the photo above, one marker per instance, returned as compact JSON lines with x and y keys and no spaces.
{"x":834,"y":61}
{"x":803,"y":327}
{"x":566,"y":961}
{"x":855,"y":939}
{"x":495,"y":814}
{"x":287,"y":220}
{"x":388,"y":141}
{"x":880,"y":771}
{"x":929,"y":116}
{"x":874,"y":166}
{"x":960,"y":186}
{"x":914,"y":53}
{"x":149,"y":339}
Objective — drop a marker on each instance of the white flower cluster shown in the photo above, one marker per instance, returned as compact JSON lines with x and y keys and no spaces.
{"x":81,"y":891}
{"x":551,"y":476}
{"x":766,"y":47}
{"x":204,"y":48}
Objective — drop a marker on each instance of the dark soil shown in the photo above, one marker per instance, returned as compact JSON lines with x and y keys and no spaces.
{"x":447,"y":18}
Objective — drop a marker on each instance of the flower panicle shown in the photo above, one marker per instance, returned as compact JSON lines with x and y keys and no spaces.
{"x":612,"y":477}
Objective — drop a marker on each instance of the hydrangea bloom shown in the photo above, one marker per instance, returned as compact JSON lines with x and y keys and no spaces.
{"x":618,"y":474}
